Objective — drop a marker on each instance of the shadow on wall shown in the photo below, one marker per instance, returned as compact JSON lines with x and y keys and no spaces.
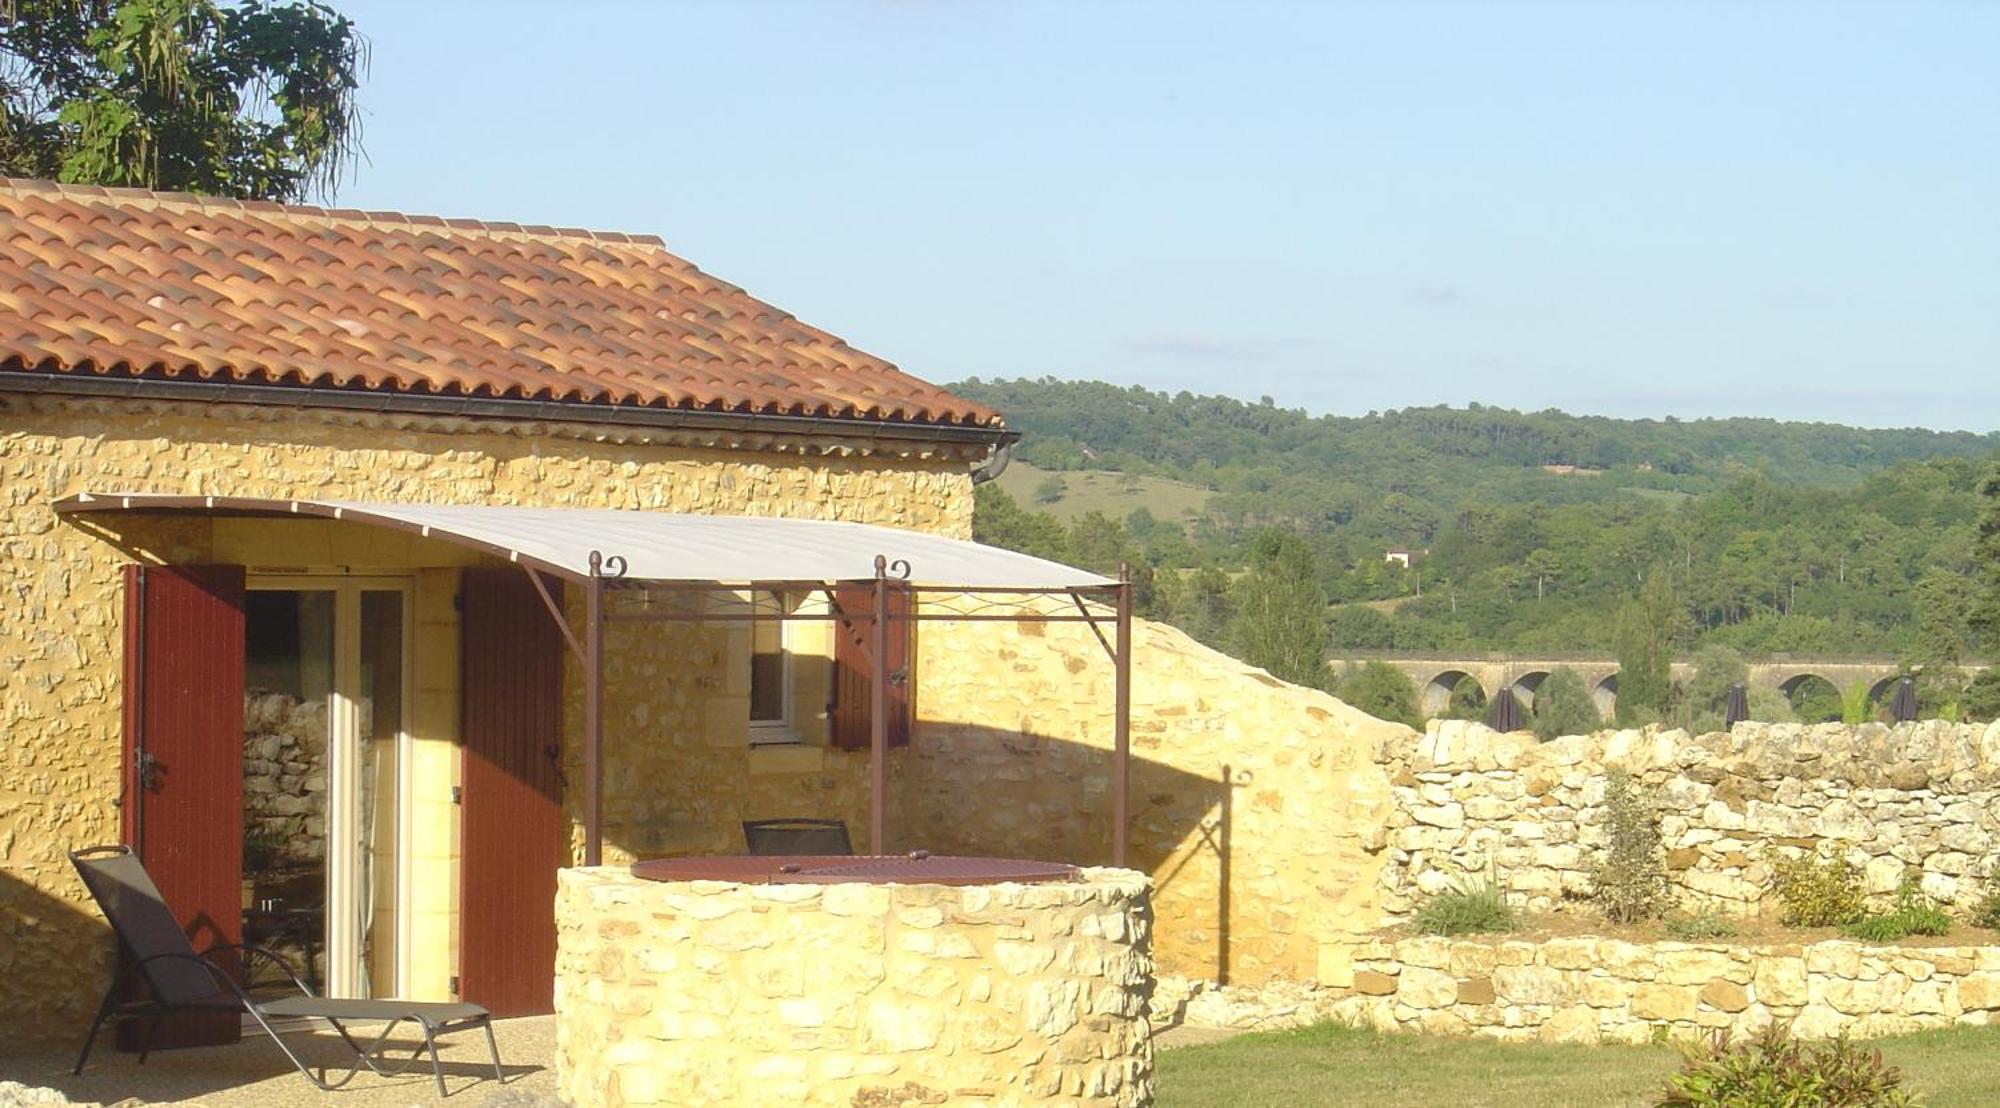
{"x":966,"y":789}
{"x":46,"y":946}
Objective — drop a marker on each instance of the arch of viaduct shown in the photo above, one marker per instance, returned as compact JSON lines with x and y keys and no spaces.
{"x":1437,"y":675}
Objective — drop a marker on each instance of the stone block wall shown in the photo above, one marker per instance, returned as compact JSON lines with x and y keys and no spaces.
{"x":708,"y":993}
{"x":284,"y":777}
{"x":1257,"y":805}
{"x":1469,"y":803}
{"x":1590,"y":990}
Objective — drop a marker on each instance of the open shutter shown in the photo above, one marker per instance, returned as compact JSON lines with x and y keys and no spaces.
{"x":182,"y":807}
{"x":511,"y":827}
{"x":853,"y":676}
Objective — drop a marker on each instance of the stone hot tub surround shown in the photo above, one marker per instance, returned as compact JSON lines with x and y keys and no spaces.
{"x":719,"y":993}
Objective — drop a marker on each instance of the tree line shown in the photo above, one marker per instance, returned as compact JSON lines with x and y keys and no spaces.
{"x":1878,"y":542}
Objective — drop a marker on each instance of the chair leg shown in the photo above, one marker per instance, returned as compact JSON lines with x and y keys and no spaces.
{"x":437,"y":1067}
{"x":493,"y":1046}
{"x":146,"y":1039}
{"x":96,"y":1025}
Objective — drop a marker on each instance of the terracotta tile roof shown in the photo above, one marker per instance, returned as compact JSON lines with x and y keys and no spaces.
{"x":135,"y":283}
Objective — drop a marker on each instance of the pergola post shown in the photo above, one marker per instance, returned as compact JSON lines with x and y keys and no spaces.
{"x":1121,"y":770}
{"x":593,"y":714}
{"x":878,"y":716}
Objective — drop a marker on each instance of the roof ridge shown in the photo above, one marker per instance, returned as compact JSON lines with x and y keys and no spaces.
{"x":108,"y":194}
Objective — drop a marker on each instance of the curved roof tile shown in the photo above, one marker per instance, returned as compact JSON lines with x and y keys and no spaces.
{"x":93,"y":280}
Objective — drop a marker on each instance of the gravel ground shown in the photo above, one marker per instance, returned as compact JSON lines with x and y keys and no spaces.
{"x":255,"y":1072}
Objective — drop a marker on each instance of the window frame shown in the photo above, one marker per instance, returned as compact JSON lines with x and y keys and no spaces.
{"x":784,"y":729}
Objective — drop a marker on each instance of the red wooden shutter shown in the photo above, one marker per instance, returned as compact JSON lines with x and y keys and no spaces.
{"x":511,"y":826}
{"x":183,"y":766}
{"x":853,"y":678}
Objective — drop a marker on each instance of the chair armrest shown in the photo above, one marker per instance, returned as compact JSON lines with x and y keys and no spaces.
{"x":265,"y":953}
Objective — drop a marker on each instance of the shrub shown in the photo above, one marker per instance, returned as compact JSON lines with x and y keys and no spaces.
{"x":1987,"y":912}
{"x":1471,"y":911}
{"x":1699,"y":927}
{"x":1819,"y":891}
{"x":1381,"y":690}
{"x":1773,"y":1070}
{"x":1564,"y":706}
{"x":1913,"y":914}
{"x":1630,"y":884}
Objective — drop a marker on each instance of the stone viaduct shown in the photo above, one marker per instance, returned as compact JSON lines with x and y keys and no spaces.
{"x":1436,"y":675}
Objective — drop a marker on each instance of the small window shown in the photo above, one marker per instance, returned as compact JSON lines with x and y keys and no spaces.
{"x":770,"y":671}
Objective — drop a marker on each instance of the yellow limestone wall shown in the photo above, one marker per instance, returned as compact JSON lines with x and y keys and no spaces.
{"x":1257,"y":807}
{"x":60,"y":639}
{"x":712,"y":994}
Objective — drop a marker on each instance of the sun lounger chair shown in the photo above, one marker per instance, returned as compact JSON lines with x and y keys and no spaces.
{"x":796,"y":836}
{"x":160,"y":963}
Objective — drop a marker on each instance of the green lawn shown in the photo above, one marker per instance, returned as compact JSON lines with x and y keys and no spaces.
{"x":1114,"y":494}
{"x":1337,"y":1066}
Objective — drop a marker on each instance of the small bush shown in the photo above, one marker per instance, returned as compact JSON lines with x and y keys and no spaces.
{"x":1773,"y":1070}
{"x":1913,"y":914}
{"x":1987,"y":912}
{"x":1699,"y":927}
{"x":1630,"y":884}
{"x":1473,"y":911}
{"x":1819,"y":891}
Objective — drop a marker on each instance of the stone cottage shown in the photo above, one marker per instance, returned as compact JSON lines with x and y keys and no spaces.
{"x":210,"y":414}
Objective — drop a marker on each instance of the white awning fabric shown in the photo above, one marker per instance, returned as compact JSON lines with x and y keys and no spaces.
{"x":655,"y":546}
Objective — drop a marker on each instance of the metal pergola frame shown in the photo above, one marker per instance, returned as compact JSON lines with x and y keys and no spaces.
{"x":607,"y":573}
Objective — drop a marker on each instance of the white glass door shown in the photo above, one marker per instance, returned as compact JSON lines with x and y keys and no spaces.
{"x":354,"y":636}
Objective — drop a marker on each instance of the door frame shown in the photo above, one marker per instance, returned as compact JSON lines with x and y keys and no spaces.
{"x":343,"y":978}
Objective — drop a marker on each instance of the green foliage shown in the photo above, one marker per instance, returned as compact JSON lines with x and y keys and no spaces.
{"x":1280,"y":610}
{"x":1477,"y":910}
{"x":1773,"y":1070}
{"x":1703,"y":702}
{"x":1816,"y":700}
{"x":1704,"y":926}
{"x":1051,"y":489}
{"x":1630,"y":883}
{"x":1982,"y":696}
{"x":1468,"y":700}
{"x":1913,"y":913}
{"x":1197,"y":602}
{"x":1819,"y":890}
{"x":1986,"y":913}
{"x":1564,"y":706}
{"x":251,"y":100}
{"x":1381,"y":690}
{"x":1984,"y":617}
{"x":1646,"y":630}
{"x":1818,"y":550}
{"x":1855,"y":707}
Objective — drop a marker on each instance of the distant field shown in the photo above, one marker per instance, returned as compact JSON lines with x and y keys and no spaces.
{"x":1114,"y":494}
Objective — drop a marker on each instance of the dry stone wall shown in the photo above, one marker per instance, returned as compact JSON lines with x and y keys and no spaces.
{"x":1472,"y":803}
{"x":1590,"y":990}
{"x":708,"y":993}
{"x":284,"y":779}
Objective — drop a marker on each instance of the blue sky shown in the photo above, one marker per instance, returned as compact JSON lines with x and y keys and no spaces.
{"x":1787,"y":210}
